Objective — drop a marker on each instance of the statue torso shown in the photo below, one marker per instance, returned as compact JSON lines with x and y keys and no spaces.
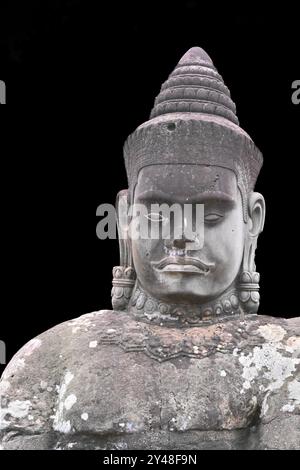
{"x":107,"y":381}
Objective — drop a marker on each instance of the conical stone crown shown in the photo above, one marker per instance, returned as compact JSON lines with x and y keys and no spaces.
{"x":195,"y":86}
{"x":194,"y":122}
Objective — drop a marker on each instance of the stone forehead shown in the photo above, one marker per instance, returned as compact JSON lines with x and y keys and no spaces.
{"x":185,"y":180}
{"x":191,"y":139}
{"x":201,"y":140}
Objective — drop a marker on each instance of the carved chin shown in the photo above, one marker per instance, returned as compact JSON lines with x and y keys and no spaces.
{"x":185,"y":286}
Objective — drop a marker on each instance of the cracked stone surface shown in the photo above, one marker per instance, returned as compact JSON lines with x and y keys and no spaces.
{"x":106,"y":381}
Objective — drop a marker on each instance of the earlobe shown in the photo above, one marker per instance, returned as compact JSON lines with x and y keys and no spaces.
{"x":122,"y":224}
{"x":124,"y":276}
{"x":257,"y":211}
{"x":249,"y":278}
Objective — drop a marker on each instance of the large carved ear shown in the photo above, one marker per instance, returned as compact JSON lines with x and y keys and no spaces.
{"x":124,"y":275}
{"x":257,"y":213}
{"x":249,"y":278}
{"x":122,"y":205}
{"x":255,"y":225}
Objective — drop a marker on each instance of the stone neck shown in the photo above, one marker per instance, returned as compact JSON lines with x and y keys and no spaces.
{"x":147,"y":308}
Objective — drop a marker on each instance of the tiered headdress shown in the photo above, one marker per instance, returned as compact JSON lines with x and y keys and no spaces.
{"x":194,"y":122}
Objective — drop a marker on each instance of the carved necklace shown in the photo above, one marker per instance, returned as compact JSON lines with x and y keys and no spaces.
{"x":144,"y":307}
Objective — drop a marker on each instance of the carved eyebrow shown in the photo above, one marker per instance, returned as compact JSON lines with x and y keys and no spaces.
{"x":155,"y":195}
{"x":202,"y":197}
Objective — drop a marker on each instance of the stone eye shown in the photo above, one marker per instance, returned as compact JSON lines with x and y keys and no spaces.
{"x":156,"y":217}
{"x":213,"y":217}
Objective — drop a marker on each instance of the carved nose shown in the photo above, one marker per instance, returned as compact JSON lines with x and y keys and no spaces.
{"x":179,"y":243}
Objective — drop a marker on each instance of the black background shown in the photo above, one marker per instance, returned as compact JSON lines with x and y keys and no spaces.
{"x":80,"y":77}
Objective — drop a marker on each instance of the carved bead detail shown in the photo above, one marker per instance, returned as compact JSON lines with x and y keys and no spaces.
{"x":246,"y":277}
{"x":140,"y":301}
{"x":135,"y":296}
{"x":244,"y":296}
{"x":227,"y":306}
{"x":163,"y":309}
{"x":149,"y":306}
{"x":218,"y":309}
{"x":142,"y":304}
{"x":255,"y":296}
{"x":249,"y":288}
{"x":123,"y":283}
{"x":234,"y":301}
{"x":118,"y":292}
{"x":207,"y":313}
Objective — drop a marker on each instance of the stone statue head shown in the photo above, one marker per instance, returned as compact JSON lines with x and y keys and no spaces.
{"x":191,"y":154}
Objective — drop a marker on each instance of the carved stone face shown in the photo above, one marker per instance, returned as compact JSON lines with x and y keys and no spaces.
{"x":166,"y":268}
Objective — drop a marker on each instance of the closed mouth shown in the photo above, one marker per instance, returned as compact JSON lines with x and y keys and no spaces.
{"x":185,"y":264}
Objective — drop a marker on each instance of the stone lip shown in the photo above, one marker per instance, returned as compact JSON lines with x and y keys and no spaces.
{"x":106,"y":381}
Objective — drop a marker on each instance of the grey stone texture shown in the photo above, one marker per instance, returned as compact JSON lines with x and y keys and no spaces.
{"x":105,"y":381}
{"x":183,"y":361}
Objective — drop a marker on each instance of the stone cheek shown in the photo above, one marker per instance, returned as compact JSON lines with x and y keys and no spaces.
{"x":106,"y":375}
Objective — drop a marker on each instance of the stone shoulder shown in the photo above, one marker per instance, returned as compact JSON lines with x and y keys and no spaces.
{"x":37,"y":376}
{"x":261,"y":353}
{"x":280,"y":408}
{"x":52,"y":348}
